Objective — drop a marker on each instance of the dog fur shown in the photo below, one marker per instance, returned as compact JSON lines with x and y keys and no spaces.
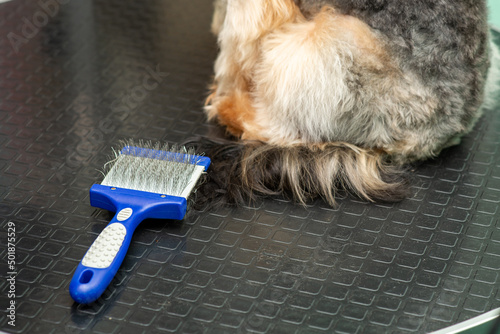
{"x":329,"y":95}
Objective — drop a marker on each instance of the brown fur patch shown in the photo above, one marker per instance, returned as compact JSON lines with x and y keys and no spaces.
{"x":230,"y":114}
{"x":279,"y":12}
{"x":359,"y":35}
{"x":237,"y":114}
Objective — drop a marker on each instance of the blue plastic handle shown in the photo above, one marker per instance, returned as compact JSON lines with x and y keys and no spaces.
{"x":131,"y":207}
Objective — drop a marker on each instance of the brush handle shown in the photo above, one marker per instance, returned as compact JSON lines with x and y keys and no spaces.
{"x":103,"y":259}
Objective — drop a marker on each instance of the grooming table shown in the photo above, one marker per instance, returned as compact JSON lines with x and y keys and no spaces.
{"x":76,"y":77}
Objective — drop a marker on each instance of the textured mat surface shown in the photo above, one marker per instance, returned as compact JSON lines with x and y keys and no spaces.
{"x":76,"y":77}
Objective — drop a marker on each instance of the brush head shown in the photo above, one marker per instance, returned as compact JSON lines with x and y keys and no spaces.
{"x":155,"y":168}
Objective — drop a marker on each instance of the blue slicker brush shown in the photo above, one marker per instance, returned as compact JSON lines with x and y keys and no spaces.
{"x":142,"y":182}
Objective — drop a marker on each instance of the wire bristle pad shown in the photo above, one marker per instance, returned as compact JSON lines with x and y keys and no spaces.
{"x":153,"y":168}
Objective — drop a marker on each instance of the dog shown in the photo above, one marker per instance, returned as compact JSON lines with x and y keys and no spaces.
{"x":326,"y":96}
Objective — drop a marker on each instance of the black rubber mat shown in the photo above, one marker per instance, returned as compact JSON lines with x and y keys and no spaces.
{"x":76,"y":77}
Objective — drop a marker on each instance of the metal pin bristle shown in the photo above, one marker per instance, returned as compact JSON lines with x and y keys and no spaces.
{"x":156,"y":168}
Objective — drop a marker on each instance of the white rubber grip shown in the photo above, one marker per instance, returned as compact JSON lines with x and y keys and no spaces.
{"x":104,"y":249}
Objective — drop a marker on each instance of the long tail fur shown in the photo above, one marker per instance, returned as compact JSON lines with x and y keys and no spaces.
{"x":244,"y":171}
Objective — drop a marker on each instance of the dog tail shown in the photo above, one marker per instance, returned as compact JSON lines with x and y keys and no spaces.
{"x":244,"y":171}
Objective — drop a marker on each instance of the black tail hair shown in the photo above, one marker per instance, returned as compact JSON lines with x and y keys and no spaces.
{"x":244,"y":171}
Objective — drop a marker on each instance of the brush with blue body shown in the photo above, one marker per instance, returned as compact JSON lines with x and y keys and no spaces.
{"x":142,"y":182}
